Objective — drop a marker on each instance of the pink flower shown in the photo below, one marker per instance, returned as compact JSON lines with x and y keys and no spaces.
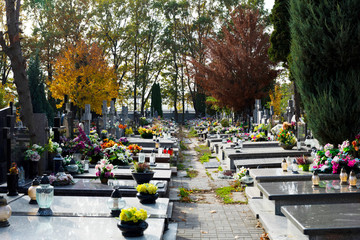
{"x":107,"y":174}
{"x":351,"y":163}
{"x":97,"y":174}
{"x":109,"y":167}
{"x":335,"y":167}
{"x":328,"y":154}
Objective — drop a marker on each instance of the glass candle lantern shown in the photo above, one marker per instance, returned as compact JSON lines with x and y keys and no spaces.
{"x":44,"y":196}
{"x":72,"y":167}
{"x":171,"y":151}
{"x":247,"y":179}
{"x":152,"y":157}
{"x":116,"y":203}
{"x":157,"y":144}
{"x":315,"y":179}
{"x":343,"y":177}
{"x":58,"y":162}
{"x":284,"y":165}
{"x":294,"y":167}
{"x":141,"y":157}
{"x":241,"y":144}
{"x":32,"y":191}
{"x":352,"y":179}
{"x":5,"y":212}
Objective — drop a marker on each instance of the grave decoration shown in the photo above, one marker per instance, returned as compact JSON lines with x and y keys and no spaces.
{"x":352,"y":179}
{"x":61,"y":178}
{"x":286,"y":137}
{"x":116,"y":203}
{"x":32,"y":191}
{"x":5,"y":212}
{"x":12,"y":179}
{"x":118,"y":154}
{"x":226,"y":174}
{"x":132,"y":222}
{"x":315,"y":179}
{"x":332,"y":160}
{"x":73,"y":166}
{"x":129,"y":131}
{"x":44,"y":196}
{"x":142,"y":173}
{"x":103,"y":171}
{"x":134,"y":148}
{"x":147,"y":193}
{"x":303,"y":162}
{"x":241,"y":173}
{"x":146,"y":133}
{"x":33,"y":155}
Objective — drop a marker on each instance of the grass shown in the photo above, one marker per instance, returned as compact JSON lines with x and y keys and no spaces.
{"x":180,"y":166}
{"x":192,"y":133}
{"x":202,"y":149}
{"x":183,"y":146}
{"x":225,"y":193}
{"x":184,"y":194}
{"x":191,"y":173}
{"x":209,"y":175}
{"x":217,"y":159}
{"x":205,"y":158}
{"x":220,"y":169}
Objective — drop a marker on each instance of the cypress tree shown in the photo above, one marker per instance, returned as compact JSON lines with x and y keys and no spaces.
{"x":37,"y":90}
{"x":156,"y":102}
{"x":326,"y":65}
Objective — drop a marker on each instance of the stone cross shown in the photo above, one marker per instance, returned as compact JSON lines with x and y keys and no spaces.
{"x":104,"y":114}
{"x":87,"y":119}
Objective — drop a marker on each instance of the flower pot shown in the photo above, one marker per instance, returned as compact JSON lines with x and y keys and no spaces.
{"x":286,"y":146}
{"x":305,"y":167}
{"x":12,"y":184}
{"x":146,"y":198}
{"x":131,"y":229}
{"x":141,"y":178}
{"x":104,"y":180}
{"x":33,"y":169}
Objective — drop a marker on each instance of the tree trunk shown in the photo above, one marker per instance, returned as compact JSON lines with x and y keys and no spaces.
{"x":13,"y":50}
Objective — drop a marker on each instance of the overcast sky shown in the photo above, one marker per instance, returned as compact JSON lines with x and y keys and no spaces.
{"x":269,"y":4}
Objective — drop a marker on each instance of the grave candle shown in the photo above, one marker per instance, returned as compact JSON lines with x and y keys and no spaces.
{"x":352,"y":179}
{"x":343,"y":177}
{"x":284,"y":165}
{"x":152,"y":157}
{"x":116,"y":203}
{"x":44,"y":196}
{"x":141,"y":157}
{"x":5,"y":212}
{"x":315,"y":179}
{"x":32,"y":191}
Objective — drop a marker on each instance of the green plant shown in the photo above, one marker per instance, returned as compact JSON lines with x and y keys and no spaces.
{"x":224,"y":122}
{"x":202,"y":149}
{"x":184,"y":194}
{"x":209,"y":175}
{"x":183,"y":146}
{"x":180,"y":166}
{"x":220,"y":168}
{"x":205,"y":158}
{"x":225,"y":193}
{"x":191,"y":173}
{"x":192,"y":133}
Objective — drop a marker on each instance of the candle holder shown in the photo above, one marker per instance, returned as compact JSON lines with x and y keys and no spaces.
{"x":32,"y":191}
{"x":5,"y":212}
{"x":352,"y":180}
{"x":284,"y":165}
{"x":116,"y":203}
{"x":315,"y":179}
{"x":343,"y":177}
{"x":44,"y":197}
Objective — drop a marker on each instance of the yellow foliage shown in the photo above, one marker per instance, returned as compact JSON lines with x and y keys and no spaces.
{"x":82,"y":73}
{"x":275,"y":98}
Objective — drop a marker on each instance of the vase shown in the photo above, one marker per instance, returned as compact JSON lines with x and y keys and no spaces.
{"x":146,"y":198}
{"x":33,"y":169}
{"x":305,"y":167}
{"x":132,"y":229}
{"x":142,"y":178}
{"x":286,"y":146}
{"x":12,"y":184}
{"x":104,"y":180}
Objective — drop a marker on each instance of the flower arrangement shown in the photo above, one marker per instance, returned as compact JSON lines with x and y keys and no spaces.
{"x":122,"y":126}
{"x":103,"y":170}
{"x":134,"y":148}
{"x":258,"y":137}
{"x":286,"y":135}
{"x":124,"y":141}
{"x":133,"y":215}
{"x":129,"y":131}
{"x":54,"y":147}
{"x":303,"y":160}
{"x":13,"y":169}
{"x":67,"y":161}
{"x":146,"y":132}
{"x":34,"y":152}
{"x":61,"y":179}
{"x":106,"y":143}
{"x":118,"y":155}
{"x":141,"y":167}
{"x":104,"y":134}
{"x":241,"y":173}
{"x":147,"y":188}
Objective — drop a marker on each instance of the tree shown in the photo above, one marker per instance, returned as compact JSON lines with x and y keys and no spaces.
{"x":12,"y":48}
{"x":83,"y":74}
{"x":37,"y":90}
{"x":326,"y":66}
{"x":156,"y":103}
{"x":238,"y":69}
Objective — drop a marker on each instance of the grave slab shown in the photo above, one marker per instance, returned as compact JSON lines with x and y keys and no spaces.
{"x":211,"y":164}
{"x":150,"y":143}
{"x":80,"y":228}
{"x":333,"y":221}
{"x":259,"y":162}
{"x":70,"y":206}
{"x":160,"y":158}
{"x":164,"y":175}
{"x":302,"y":192}
{"x":158,"y":166}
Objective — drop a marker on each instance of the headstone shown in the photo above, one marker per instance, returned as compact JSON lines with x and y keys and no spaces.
{"x":290,"y":110}
{"x":112,"y":115}
{"x":104,"y":115}
{"x":125,"y":113}
{"x":87,"y":119}
{"x":68,"y":120}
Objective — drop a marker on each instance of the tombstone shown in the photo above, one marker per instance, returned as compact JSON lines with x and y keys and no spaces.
{"x":290,"y":110}
{"x":256,"y":110}
{"x":104,"y":115}
{"x":68,"y":121}
{"x":259,"y":116}
{"x":125,"y":113}
{"x":87,"y":119}
{"x":112,"y":115}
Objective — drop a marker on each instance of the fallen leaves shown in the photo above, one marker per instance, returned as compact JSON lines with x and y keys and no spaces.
{"x":213,"y":211}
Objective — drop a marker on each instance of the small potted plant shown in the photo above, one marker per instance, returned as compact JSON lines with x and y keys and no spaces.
{"x":303,"y":162}
{"x":142,"y":173}
{"x":103,"y":171}
{"x":132,"y":222}
{"x":33,"y":155}
{"x":147,"y":193}
{"x":12,"y":179}
{"x":286,"y":137}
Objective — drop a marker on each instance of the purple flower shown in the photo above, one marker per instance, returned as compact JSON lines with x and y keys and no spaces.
{"x":107,"y":174}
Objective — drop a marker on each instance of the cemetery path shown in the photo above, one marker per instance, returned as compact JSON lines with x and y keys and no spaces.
{"x":206,"y":216}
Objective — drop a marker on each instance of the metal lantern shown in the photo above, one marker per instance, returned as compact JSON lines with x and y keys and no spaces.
{"x":72,"y":167}
{"x":58,"y":162}
{"x":5,"y":212}
{"x":116,"y":203}
{"x":32,"y":191}
{"x":44,"y":196}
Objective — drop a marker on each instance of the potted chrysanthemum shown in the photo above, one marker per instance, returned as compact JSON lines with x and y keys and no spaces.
{"x":132,"y":222}
{"x":147,"y":193}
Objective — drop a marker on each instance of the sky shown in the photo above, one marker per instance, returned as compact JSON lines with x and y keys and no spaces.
{"x":269,"y":4}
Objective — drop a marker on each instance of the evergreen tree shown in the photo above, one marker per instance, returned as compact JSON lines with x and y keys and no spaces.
{"x":326,"y":65}
{"x":37,"y":91}
{"x":156,"y":102}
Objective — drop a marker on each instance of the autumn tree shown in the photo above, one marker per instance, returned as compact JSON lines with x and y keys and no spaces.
{"x":238,"y":69}
{"x":83,"y":74}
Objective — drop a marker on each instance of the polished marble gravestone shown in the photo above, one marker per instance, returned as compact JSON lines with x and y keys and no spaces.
{"x":278,"y":175}
{"x":10,"y":199}
{"x":89,"y":187}
{"x":160,"y":158}
{"x":158,"y":166}
{"x":258,"y":162}
{"x":70,"y":206}
{"x":149,"y":150}
{"x":79,"y":228}
{"x":330,"y":221}
{"x":149,"y":143}
{"x":302,"y":192}
{"x":163,"y":175}
{"x":211,"y":164}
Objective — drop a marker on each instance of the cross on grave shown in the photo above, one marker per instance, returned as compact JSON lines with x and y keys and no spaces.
{"x":104,"y":114}
{"x":87,"y":119}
